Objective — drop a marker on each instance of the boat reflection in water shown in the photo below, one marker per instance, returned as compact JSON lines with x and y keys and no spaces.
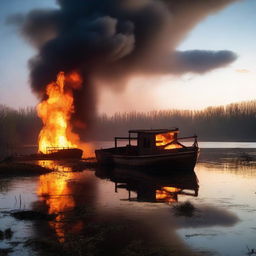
{"x":75,"y":197}
{"x":152,"y":188}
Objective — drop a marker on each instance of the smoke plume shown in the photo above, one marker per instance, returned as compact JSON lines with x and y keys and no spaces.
{"x":113,"y":40}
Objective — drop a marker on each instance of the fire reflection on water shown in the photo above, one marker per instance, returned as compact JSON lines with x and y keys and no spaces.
{"x":168,"y":194}
{"x":152,"y":188}
{"x":55,"y":191}
{"x":62,"y":192}
{"x":54,"y":165}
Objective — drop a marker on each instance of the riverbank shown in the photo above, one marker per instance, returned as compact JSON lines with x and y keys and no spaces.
{"x":9,"y":169}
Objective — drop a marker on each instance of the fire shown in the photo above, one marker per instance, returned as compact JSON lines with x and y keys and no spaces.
{"x":164,"y":140}
{"x":55,"y":192}
{"x":52,"y":188}
{"x":168,"y":194}
{"x":171,"y":189}
{"x":56,"y":111}
{"x":60,"y":194}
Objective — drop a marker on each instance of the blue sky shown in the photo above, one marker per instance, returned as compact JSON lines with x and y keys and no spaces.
{"x":232,"y":28}
{"x":14,"y":54}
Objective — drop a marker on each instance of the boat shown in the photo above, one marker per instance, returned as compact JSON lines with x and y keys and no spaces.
{"x":63,"y":153}
{"x":150,"y":187}
{"x":55,"y":153}
{"x":153,"y":148}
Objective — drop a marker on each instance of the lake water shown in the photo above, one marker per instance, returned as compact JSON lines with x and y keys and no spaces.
{"x":222,"y":190}
{"x":202,"y":144}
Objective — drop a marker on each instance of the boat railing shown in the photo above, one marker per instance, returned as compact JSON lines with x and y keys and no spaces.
{"x":195,"y":144}
{"x":125,"y":138}
{"x":54,"y":149}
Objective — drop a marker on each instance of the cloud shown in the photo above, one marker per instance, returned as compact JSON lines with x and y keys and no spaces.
{"x":243,"y":71}
{"x":197,"y":61}
{"x":113,"y":40}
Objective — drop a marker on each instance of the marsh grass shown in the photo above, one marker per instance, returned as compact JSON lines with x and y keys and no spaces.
{"x":100,"y":239}
{"x":21,"y":169}
{"x":186,"y":209}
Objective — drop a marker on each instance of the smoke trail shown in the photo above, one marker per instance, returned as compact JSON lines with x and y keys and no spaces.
{"x":116,"y":39}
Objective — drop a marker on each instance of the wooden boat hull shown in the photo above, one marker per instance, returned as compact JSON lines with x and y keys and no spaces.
{"x":74,"y":153}
{"x":178,"y":160}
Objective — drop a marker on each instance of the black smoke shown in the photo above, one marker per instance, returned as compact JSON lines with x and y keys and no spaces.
{"x":113,"y":40}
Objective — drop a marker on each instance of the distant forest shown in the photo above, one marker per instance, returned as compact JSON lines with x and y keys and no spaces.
{"x":17,"y":127}
{"x":234,"y":122}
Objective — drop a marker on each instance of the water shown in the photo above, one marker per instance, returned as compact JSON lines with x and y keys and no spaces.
{"x":222,"y":189}
{"x":17,"y":194}
{"x":205,"y":144}
{"x":231,"y":188}
{"x":202,"y":144}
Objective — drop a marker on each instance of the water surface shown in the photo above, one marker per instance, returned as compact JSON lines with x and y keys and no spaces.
{"x":222,"y":189}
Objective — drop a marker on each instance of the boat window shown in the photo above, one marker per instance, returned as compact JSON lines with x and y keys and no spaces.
{"x":164,"y":138}
{"x":167,"y":140}
{"x":146,"y":143}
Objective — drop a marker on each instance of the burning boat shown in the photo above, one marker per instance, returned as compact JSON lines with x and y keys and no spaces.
{"x":154,"y":148}
{"x":57,"y":153}
{"x":56,"y":139}
{"x":54,"y":153}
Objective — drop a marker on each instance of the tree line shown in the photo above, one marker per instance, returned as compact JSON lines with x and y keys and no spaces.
{"x":17,"y":127}
{"x":233,"y":122}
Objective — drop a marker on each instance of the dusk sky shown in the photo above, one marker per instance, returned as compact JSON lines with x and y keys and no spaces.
{"x":232,"y":28}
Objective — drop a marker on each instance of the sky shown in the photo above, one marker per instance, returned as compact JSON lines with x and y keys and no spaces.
{"x":233,"y":29}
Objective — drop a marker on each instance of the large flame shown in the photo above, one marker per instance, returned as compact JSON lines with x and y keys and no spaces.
{"x":56,"y":112}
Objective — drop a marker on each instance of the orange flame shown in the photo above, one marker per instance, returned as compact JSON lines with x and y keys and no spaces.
{"x":168,"y":194}
{"x":56,"y":112}
{"x":54,"y":190}
{"x":163,"y":140}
